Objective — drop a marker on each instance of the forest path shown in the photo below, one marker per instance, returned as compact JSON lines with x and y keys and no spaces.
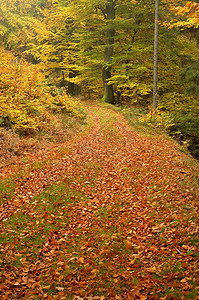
{"x":106,"y":216}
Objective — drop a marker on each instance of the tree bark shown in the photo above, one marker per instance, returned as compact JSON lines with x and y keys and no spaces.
{"x":155,"y":80}
{"x":73,"y":89}
{"x":108,"y":53}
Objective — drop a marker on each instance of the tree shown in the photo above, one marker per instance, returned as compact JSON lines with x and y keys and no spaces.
{"x":74,"y":42}
{"x":188,"y":22}
{"x":109,"y":14}
{"x":21,"y":24}
{"x":191,"y":11}
{"x":155,"y":55}
{"x":102,"y":12}
{"x":106,"y":36}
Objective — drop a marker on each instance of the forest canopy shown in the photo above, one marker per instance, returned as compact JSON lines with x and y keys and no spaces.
{"x":103,"y":49}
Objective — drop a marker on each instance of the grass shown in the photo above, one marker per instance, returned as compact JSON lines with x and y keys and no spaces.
{"x":9,"y":184}
{"x":7,"y":188}
{"x":133,"y":116}
{"x":35,"y":225}
{"x":64,"y":238}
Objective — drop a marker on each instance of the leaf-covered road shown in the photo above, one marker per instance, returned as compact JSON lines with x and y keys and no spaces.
{"x":113,"y":215}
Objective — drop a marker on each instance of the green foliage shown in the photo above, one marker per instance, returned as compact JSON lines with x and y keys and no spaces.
{"x":132,"y":63}
{"x":186,"y":129}
{"x":190,"y":76}
{"x":7,"y":187}
{"x":68,"y":41}
{"x":173,"y":101}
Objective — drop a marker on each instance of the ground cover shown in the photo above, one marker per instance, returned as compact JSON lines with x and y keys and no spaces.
{"x":112,"y":214}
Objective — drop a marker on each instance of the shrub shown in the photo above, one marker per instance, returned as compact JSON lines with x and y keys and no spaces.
{"x":186,"y":129}
{"x":25,"y":104}
{"x":68,"y":105}
{"x":158,"y":119}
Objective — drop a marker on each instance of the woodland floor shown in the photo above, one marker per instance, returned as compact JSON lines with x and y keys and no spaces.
{"x":109,"y":214}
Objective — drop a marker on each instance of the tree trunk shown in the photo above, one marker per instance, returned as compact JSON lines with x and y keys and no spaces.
{"x":108,"y":88}
{"x":71,"y":85}
{"x":155,"y":80}
{"x":73,"y":89}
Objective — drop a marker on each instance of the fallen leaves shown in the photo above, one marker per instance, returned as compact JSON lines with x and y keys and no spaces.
{"x":114,"y":219}
{"x":128,"y":245}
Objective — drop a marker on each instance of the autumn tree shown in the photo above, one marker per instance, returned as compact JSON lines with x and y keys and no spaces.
{"x":21,"y":24}
{"x":109,"y":14}
{"x":76,"y":42}
{"x":190,"y":14}
{"x":26,"y":105}
{"x":105,"y":36}
{"x":188,"y":22}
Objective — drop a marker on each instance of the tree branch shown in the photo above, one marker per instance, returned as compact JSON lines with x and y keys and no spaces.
{"x":98,"y":7}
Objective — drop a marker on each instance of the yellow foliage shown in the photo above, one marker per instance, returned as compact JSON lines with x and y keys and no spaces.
{"x":157,"y":119}
{"x":190,"y":11}
{"x":25,"y":103}
{"x":67,"y":105}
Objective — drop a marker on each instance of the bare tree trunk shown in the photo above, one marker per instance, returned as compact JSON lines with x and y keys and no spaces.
{"x":155,"y":80}
{"x":108,"y":88}
{"x":73,"y":89}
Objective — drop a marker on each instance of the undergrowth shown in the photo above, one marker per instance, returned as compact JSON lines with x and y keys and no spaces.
{"x":180,"y":125}
{"x":27,"y":104}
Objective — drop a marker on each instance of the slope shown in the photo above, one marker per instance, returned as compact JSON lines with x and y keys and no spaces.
{"x":111,"y":215}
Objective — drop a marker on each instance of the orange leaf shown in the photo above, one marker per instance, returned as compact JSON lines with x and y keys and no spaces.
{"x":128,"y":244}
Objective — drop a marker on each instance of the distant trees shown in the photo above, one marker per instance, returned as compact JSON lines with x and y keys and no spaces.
{"x":103,"y":47}
{"x":188,"y":22}
{"x":106,"y":35}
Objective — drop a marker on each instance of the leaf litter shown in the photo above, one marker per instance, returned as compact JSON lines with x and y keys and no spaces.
{"x":114,"y":215}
